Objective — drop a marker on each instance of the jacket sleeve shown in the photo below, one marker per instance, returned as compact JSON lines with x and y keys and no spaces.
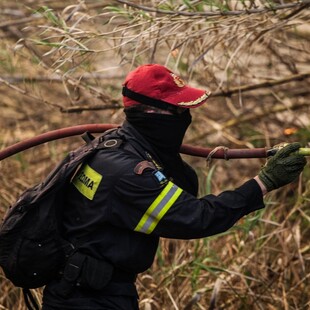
{"x":147,"y":206}
{"x":210,"y":215}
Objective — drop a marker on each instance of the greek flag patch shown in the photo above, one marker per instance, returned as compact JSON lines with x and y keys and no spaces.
{"x":161,"y":178}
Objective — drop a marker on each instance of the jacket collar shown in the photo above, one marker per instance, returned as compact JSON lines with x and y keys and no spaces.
{"x":132,"y":135}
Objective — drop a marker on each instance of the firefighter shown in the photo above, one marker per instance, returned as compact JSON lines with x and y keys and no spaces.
{"x":122,"y":200}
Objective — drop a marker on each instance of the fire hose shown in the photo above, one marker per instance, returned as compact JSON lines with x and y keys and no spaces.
{"x":219,"y":152}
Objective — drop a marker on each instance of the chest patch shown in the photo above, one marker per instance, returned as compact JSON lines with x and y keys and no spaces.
{"x":87,"y":181}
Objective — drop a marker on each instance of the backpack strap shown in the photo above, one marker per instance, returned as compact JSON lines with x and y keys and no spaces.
{"x":108,"y":140}
{"x":87,"y":137}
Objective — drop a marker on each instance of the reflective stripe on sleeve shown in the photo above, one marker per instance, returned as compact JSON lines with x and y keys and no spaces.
{"x":158,"y":208}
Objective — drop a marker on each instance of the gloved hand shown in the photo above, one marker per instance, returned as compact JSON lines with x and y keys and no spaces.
{"x":283,"y":168}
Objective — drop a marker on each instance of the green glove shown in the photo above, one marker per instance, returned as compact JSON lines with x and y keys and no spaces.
{"x":283,"y":168}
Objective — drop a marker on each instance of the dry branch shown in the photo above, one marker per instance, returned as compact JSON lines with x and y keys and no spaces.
{"x":56,"y":78}
{"x":78,"y":109}
{"x":114,"y":103}
{"x":247,"y":118}
{"x":30,"y":94}
{"x":266,"y":84}
{"x":303,"y":3}
{"x":20,"y":21}
{"x":19,"y":35}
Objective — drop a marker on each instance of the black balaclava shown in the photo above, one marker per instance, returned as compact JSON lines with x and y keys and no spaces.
{"x":165,"y":134}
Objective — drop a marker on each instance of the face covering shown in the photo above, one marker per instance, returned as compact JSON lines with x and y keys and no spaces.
{"x":165,"y":134}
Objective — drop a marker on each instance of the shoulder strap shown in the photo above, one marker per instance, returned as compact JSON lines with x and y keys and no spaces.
{"x":87,"y":137}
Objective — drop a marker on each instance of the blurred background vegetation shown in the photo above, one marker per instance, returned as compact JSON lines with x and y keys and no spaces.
{"x":62,"y":63}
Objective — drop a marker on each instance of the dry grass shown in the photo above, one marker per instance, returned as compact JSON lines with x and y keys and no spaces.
{"x":63,"y":62}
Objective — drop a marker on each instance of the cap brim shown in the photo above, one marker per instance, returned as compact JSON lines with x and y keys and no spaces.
{"x":188,"y":97}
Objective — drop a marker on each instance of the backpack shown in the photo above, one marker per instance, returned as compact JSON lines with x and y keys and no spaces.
{"x":32,"y":248}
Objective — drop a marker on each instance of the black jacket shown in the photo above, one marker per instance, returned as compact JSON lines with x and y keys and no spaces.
{"x":122,"y":202}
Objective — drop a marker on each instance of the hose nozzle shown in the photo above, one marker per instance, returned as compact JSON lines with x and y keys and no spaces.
{"x":305,"y":151}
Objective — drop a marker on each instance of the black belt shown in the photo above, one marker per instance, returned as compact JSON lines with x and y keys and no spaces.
{"x":102,"y":273}
{"x":123,"y":276}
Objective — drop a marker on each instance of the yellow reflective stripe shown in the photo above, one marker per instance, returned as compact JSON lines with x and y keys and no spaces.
{"x":158,"y":208}
{"x":152,"y":207}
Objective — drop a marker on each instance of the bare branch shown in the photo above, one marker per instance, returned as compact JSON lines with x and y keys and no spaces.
{"x":56,"y":78}
{"x":79,"y":109}
{"x":20,"y":21}
{"x":247,"y":118}
{"x":304,"y":3}
{"x":244,"y":88}
{"x":29,"y":94}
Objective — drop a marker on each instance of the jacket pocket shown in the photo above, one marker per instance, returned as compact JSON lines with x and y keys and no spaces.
{"x":95,"y":274}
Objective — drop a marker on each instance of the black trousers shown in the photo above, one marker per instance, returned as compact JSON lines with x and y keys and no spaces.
{"x":116,"y":296}
{"x":108,"y":303}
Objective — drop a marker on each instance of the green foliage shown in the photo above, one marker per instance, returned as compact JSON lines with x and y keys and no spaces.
{"x":6,"y":61}
{"x":130,"y":15}
{"x":24,"y":165}
{"x":251,"y":133}
{"x":188,"y":4}
{"x":116,"y":9}
{"x":301,"y":135}
{"x":51,"y":16}
{"x":270,"y":3}
{"x":208,"y":189}
{"x":167,"y":5}
{"x":218,"y":4}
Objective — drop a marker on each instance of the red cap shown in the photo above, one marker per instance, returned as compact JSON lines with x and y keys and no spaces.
{"x":158,"y":82}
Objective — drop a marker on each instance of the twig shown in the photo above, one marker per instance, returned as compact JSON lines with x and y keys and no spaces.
{"x":247,"y":118}
{"x":115,"y":104}
{"x":47,"y":64}
{"x":79,"y":109}
{"x":20,"y":21}
{"x":75,"y":109}
{"x":295,"y":12}
{"x":195,"y":299}
{"x":29,"y":94}
{"x":304,"y":3}
{"x":56,"y":78}
{"x":20,"y":36}
{"x":244,"y":88}
{"x":287,"y":61}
